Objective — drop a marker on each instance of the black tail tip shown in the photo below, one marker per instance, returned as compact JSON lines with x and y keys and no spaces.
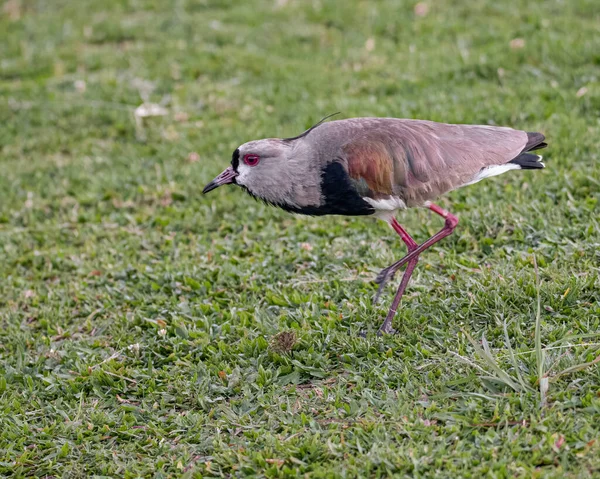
{"x":529,"y":161}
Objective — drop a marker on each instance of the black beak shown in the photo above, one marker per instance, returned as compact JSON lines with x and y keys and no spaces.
{"x":228,"y":176}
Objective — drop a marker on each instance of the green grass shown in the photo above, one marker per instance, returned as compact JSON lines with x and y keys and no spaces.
{"x":141,"y":322}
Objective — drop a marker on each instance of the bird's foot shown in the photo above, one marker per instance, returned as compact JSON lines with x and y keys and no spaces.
{"x":382,"y":279}
{"x":386,"y":274}
{"x":386,"y":328}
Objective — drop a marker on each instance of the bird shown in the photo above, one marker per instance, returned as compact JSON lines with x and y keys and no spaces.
{"x":375,"y":166}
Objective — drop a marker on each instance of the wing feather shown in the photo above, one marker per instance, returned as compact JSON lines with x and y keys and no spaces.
{"x":370,"y":164}
{"x":419,"y":160}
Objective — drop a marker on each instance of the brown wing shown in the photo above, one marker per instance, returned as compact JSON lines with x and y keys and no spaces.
{"x":420,"y":160}
{"x":371,"y":165}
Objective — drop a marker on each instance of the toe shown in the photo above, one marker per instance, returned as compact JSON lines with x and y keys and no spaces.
{"x":386,"y":328}
{"x":384,"y":276}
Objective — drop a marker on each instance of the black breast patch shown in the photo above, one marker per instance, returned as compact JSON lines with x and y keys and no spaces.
{"x":339,"y":194}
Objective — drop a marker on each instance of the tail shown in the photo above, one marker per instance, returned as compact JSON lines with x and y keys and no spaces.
{"x":530,"y":161}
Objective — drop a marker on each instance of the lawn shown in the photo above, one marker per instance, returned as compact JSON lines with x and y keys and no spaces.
{"x":149,"y":331}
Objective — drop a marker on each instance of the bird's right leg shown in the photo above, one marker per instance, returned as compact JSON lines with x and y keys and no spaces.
{"x":449,"y":226}
{"x":411,"y":244}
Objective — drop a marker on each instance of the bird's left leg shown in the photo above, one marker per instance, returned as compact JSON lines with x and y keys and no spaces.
{"x":411,"y":244}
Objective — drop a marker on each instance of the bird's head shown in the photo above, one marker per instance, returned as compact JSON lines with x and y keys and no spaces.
{"x":258,"y":166}
{"x":281,"y":171}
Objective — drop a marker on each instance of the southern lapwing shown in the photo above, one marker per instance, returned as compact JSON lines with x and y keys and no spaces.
{"x":377,"y":166}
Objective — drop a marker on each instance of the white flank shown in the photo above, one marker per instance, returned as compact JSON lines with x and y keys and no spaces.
{"x":492,"y":171}
{"x":384,"y":209}
{"x":392,"y":203}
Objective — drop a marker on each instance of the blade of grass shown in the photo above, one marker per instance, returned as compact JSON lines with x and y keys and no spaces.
{"x":573,"y":337}
{"x":469,"y":362}
{"x":539,"y":352}
{"x":546,"y":349}
{"x":488,"y":358}
{"x":511,"y":355}
{"x":576,"y":368}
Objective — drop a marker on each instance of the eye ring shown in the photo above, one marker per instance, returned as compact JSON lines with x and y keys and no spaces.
{"x":251,"y":160}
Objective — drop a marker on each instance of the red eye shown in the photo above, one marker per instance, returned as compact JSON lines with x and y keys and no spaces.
{"x":251,"y":160}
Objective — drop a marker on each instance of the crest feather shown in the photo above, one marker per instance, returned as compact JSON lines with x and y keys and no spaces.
{"x":302,"y":135}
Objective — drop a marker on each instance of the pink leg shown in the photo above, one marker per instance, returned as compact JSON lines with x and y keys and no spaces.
{"x":411,"y":244}
{"x":451,"y":222}
{"x":411,"y":258}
